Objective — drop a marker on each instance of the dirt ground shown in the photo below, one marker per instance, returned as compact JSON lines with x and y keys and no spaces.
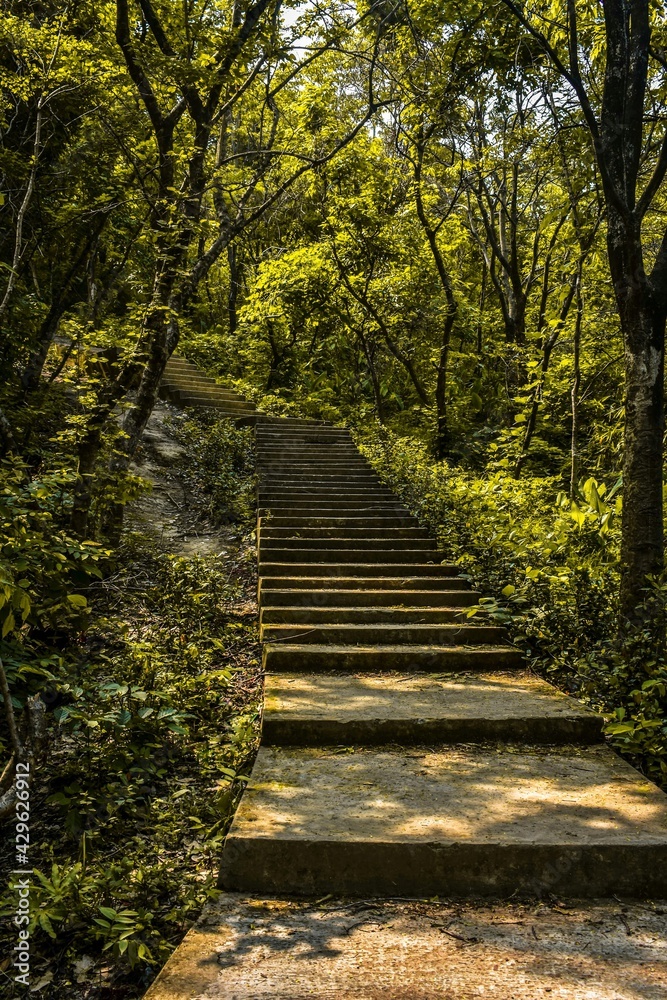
{"x":167,"y":514}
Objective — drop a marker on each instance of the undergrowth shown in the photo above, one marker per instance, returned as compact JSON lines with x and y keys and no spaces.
{"x":153,"y":724}
{"x":552,"y":564}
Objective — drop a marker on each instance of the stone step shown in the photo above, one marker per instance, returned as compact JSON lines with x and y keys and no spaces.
{"x":356,"y":505}
{"x":408,"y":709}
{"x":211,"y":399}
{"x":303,"y":657}
{"x":370,"y":583}
{"x":306,"y":464}
{"x":203,"y":384}
{"x":347,"y":533}
{"x":184,"y":381}
{"x":309,"y":463}
{"x":353,"y":494}
{"x":314,"y":614}
{"x":296,"y":425}
{"x":333,"y":481}
{"x":177,"y":363}
{"x":452,"y":822}
{"x":365,"y":569}
{"x":208,"y":393}
{"x":325,"y":470}
{"x":296,"y":430}
{"x":356,"y":544}
{"x":294,"y":510}
{"x":316,"y":470}
{"x":336,"y":451}
{"x":336,"y":493}
{"x":382,"y":634}
{"x":287,"y":428}
{"x":276,"y":554}
{"x":297,"y":435}
{"x":283,"y":597}
{"x":226,"y":405}
{"x":351,"y":497}
{"x":314,"y":521}
{"x":330,"y":497}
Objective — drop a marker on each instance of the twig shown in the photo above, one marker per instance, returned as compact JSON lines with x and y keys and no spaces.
{"x":9,"y":712}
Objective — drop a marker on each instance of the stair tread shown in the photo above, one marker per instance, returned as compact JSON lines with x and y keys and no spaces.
{"x":452,"y":821}
{"x":350,"y":697}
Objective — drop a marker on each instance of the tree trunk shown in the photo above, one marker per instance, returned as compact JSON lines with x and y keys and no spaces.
{"x":88,"y":449}
{"x":574,"y":397}
{"x":482,"y":304}
{"x":32,"y":374}
{"x":442,"y":438}
{"x":234,"y":286}
{"x":379,"y":406}
{"x":643,"y":326}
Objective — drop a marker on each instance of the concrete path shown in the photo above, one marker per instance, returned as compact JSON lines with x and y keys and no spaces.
{"x":406,"y":750}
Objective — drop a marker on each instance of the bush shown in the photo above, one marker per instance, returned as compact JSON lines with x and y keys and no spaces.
{"x":550,"y":565}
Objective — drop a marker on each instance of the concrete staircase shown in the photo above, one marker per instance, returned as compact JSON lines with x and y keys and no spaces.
{"x":406,"y":750}
{"x":185,"y":385}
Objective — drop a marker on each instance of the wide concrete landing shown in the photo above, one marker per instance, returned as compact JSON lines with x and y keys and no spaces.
{"x":246,"y":948}
{"x":306,"y":709}
{"x":468,"y":821}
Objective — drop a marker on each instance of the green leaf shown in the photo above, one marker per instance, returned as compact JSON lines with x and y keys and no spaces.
{"x":8,"y":624}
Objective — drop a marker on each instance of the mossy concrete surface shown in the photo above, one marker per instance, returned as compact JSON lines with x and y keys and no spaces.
{"x":246,"y":948}
{"x":307,"y":710}
{"x":453,"y":821}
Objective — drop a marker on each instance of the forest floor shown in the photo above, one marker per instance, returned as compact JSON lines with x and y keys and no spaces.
{"x":170,"y":514}
{"x":129,"y":816}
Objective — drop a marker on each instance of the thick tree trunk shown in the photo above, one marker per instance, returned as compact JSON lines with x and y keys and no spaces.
{"x":643,"y":326}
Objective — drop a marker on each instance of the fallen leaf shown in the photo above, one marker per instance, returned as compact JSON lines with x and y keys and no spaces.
{"x":41,"y":983}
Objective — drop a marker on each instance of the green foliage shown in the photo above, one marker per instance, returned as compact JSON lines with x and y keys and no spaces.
{"x":153,"y":704}
{"x":220,"y":466}
{"x":42,"y":573}
{"x":553,"y":564}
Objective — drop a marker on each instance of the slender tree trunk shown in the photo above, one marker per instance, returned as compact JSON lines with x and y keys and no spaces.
{"x":379,"y":404}
{"x":25,"y":204}
{"x":63,"y":299}
{"x":574,"y":397}
{"x":442,"y":439}
{"x":482,"y":304}
{"x":234,"y":286}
